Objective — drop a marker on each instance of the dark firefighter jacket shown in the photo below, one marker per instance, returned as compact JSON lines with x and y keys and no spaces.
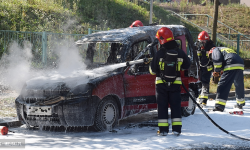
{"x":226,"y":59}
{"x":203,"y":56}
{"x":183,"y":63}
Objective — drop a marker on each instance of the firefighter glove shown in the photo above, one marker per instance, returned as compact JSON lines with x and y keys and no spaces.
{"x":216,"y":74}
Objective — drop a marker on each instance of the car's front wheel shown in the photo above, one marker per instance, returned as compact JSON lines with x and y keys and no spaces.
{"x":190,"y":109}
{"x":106,"y":115}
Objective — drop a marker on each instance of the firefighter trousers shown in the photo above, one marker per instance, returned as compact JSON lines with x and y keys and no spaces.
{"x":205,"y":80}
{"x":166,"y":96}
{"x":224,"y":85}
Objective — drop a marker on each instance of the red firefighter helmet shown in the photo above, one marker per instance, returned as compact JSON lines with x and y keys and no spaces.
{"x":203,"y":36}
{"x":164,"y":35}
{"x":136,"y":23}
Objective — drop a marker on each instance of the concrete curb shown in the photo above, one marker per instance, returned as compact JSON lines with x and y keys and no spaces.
{"x":232,"y":93}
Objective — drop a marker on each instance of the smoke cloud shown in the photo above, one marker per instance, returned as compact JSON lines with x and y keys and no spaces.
{"x":71,"y":70}
{"x":15,"y":66}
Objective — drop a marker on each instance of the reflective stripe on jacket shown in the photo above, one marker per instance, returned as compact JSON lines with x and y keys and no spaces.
{"x":227,"y":59}
{"x":157,"y":64}
{"x":210,"y":68}
{"x":158,"y":80}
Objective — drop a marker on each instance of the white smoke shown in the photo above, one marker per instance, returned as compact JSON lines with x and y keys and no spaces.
{"x":15,"y":66}
{"x":70,"y":68}
{"x":69,"y":57}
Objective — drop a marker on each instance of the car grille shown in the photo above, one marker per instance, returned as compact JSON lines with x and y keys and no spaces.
{"x":43,"y":120}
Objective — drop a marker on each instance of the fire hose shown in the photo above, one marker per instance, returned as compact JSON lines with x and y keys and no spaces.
{"x":144,"y":60}
{"x":139,"y":61}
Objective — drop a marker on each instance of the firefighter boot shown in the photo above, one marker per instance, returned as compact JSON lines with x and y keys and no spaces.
{"x":238,"y":106}
{"x":162,"y":133}
{"x":203,"y":102}
{"x":176,"y":133}
{"x":218,"y":109}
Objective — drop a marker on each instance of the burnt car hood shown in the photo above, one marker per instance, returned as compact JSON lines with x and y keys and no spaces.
{"x":77,"y":84}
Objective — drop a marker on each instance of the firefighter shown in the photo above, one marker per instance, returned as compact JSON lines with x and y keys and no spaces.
{"x":136,"y":23}
{"x":232,"y":65}
{"x":168,"y":93}
{"x":204,"y":44}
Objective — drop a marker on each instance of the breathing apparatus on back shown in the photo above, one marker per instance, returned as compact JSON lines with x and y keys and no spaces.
{"x":169,"y":62}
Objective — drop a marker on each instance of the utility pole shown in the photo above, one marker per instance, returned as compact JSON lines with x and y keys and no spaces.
{"x":216,"y":5}
{"x":151,"y":11}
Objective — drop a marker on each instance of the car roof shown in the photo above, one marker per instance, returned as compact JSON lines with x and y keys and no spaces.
{"x":125,"y":35}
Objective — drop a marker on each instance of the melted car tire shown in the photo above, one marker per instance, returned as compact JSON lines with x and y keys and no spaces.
{"x":186,"y":111}
{"x":106,"y":115}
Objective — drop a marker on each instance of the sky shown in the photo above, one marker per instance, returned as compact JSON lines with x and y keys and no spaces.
{"x":197,"y":132}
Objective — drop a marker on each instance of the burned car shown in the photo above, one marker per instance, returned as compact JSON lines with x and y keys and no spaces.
{"x":103,"y":100}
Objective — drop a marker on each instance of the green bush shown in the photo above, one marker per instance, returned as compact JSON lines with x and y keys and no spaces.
{"x":76,"y":16}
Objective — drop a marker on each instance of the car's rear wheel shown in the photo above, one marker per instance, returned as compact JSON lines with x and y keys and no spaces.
{"x":190,"y":109}
{"x":106,"y":115}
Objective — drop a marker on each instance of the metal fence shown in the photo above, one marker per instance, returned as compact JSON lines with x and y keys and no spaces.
{"x":43,"y":44}
{"x":232,"y":39}
{"x":236,"y":40}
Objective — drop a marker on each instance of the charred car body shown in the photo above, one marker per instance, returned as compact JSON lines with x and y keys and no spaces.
{"x":102,"y":101}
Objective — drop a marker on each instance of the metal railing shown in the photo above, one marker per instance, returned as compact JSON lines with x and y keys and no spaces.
{"x":229,"y":28}
{"x":42,"y":43}
{"x":90,"y":31}
{"x":239,"y":42}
